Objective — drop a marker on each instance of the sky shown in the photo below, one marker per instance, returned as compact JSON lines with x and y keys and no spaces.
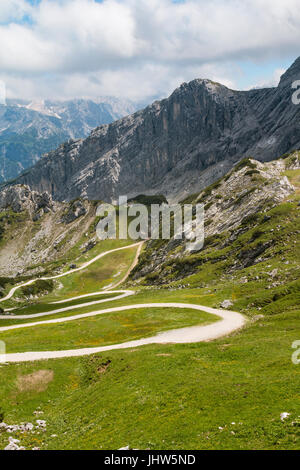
{"x":140,"y":49}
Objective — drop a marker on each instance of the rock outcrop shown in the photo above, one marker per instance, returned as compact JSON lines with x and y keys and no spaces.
{"x":230,"y":206}
{"x":20,"y":198}
{"x":36,"y":231}
{"x":75,"y":211}
{"x":176,"y":146}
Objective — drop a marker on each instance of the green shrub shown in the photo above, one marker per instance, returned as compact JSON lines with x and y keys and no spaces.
{"x":257,"y":234}
{"x":38,"y":287}
{"x":252,"y":172}
{"x":148,"y":200}
{"x":5,"y":280}
{"x":190,"y":199}
{"x":208,"y":206}
{"x":152,"y":276}
{"x":250,"y":219}
{"x":208,"y":222}
{"x":242,"y":196}
{"x":246,"y":162}
{"x":212,"y":240}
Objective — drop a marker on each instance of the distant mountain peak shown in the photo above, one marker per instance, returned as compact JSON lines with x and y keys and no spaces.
{"x":41,"y":107}
{"x":29,"y":129}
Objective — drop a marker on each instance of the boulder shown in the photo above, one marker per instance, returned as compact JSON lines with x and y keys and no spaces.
{"x":226,"y":304}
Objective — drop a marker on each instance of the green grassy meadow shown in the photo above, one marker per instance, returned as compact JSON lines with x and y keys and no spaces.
{"x":167,"y":396}
{"x":102,"y":330}
{"x":224,"y":394}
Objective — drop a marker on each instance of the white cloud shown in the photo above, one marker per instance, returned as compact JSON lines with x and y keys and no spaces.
{"x":272,"y":82}
{"x":13,"y":10}
{"x":138,"y":48}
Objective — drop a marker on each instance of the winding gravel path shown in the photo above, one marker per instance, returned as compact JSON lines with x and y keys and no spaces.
{"x":83,"y":266}
{"x":230,"y":321}
{"x":123,"y":293}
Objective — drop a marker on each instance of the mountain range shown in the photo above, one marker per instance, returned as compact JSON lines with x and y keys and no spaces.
{"x":28,"y":129}
{"x":176,"y":146}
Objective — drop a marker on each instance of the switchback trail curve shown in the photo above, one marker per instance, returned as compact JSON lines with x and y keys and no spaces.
{"x":229,"y":322}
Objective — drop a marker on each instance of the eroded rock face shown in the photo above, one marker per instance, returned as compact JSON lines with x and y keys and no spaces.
{"x":20,"y":198}
{"x":176,"y":146}
{"x":40,"y":126}
{"x":229,"y":206}
{"x":75,"y":211}
{"x":26,"y":245}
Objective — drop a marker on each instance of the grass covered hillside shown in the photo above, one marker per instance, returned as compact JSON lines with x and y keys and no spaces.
{"x":240,"y":391}
{"x":252,"y":246}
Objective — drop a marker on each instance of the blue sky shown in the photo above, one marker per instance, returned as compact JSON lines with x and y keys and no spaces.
{"x":140,"y":49}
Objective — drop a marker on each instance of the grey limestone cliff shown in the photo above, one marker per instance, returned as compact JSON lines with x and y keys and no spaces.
{"x":176,"y":146}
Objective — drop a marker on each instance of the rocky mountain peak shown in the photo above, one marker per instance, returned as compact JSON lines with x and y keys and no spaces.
{"x":201,"y":87}
{"x":174,"y":147}
{"x":292,"y":74}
